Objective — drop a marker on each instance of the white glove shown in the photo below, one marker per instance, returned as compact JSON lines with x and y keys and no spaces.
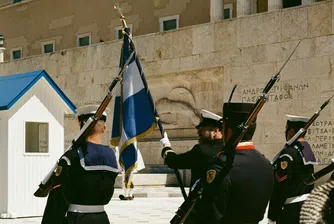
{"x":164,"y":142}
{"x":271,"y":222}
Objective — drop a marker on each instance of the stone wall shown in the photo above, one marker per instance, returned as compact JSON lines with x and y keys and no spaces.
{"x":196,"y":67}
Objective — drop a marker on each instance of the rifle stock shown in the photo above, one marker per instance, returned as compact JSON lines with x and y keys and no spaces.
{"x":46,"y":184}
{"x":186,"y":207}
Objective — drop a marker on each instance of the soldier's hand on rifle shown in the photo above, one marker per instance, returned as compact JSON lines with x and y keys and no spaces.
{"x":271,"y":222}
{"x":164,"y":142}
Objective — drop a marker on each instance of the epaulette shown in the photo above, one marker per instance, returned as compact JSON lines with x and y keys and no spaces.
{"x":69,"y":156}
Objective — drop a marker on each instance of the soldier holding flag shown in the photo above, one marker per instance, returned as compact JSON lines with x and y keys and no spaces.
{"x":209,"y":131}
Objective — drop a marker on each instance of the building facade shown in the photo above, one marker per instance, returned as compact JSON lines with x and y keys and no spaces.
{"x":195,"y":67}
{"x":33,"y":27}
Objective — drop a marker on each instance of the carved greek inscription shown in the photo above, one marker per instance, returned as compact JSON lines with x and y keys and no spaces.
{"x":278,"y":92}
{"x":91,"y":102}
{"x":67,"y":144}
{"x":320,"y":136}
{"x":70,"y":117}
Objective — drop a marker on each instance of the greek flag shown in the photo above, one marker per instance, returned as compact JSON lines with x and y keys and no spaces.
{"x":134,"y":115}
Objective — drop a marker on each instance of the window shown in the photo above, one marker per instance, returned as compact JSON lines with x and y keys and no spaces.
{"x":228,"y":9}
{"x":37,"y":137}
{"x":16,"y":1}
{"x":48,"y":47}
{"x":169,"y":23}
{"x":84,"y":39}
{"x":291,"y":3}
{"x":16,"y":53}
{"x":118,"y":32}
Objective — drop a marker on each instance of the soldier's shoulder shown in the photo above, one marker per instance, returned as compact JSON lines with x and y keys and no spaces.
{"x":197,"y":147}
{"x":71,"y":153}
{"x":69,"y":156}
{"x":301,"y":145}
{"x":291,"y":150}
{"x":288,"y":153}
{"x":111,"y":152}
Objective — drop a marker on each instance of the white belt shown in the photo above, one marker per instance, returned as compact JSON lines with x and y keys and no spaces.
{"x":296,"y":199}
{"x":85,"y":208}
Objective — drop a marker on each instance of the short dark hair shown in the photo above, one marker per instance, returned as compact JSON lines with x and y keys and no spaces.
{"x":84,"y":117}
{"x":296,"y":125}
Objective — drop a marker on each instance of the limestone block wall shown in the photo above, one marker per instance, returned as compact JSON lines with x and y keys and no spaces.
{"x":196,"y":67}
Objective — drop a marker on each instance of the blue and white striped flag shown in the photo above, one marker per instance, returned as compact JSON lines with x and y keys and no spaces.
{"x":134,"y":115}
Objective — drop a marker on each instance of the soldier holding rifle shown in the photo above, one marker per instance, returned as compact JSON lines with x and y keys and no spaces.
{"x":230,"y":191}
{"x":243,"y":194}
{"x":84,"y":178}
{"x":293,"y":164}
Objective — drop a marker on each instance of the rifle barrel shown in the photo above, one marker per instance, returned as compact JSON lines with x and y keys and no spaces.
{"x":316,"y":176}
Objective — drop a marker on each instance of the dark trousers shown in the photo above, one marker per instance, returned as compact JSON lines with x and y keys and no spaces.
{"x":86,"y":218}
{"x":290,"y":213}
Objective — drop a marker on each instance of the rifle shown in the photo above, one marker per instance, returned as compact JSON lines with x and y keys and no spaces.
{"x":223,"y":161}
{"x":316,"y":176}
{"x":302,"y":131}
{"x":132,"y":46}
{"x":45,"y":185}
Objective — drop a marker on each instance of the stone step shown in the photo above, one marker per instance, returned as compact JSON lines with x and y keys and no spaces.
{"x":156,"y":168}
{"x":151,"y":179}
{"x":153,"y":192}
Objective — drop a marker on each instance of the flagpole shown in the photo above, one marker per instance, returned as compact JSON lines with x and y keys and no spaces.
{"x":122,"y":18}
{"x":177,"y":173}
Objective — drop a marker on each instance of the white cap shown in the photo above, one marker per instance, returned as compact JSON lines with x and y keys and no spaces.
{"x":89,"y":110}
{"x":209,"y":115}
{"x":209,"y":118}
{"x":294,"y":118}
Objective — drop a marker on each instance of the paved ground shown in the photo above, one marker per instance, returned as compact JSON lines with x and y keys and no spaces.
{"x":141,"y":210}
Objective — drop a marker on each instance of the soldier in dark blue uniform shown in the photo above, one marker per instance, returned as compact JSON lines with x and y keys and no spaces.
{"x":243,"y":194}
{"x":85,"y":179}
{"x":196,"y":159}
{"x":293,"y":165}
